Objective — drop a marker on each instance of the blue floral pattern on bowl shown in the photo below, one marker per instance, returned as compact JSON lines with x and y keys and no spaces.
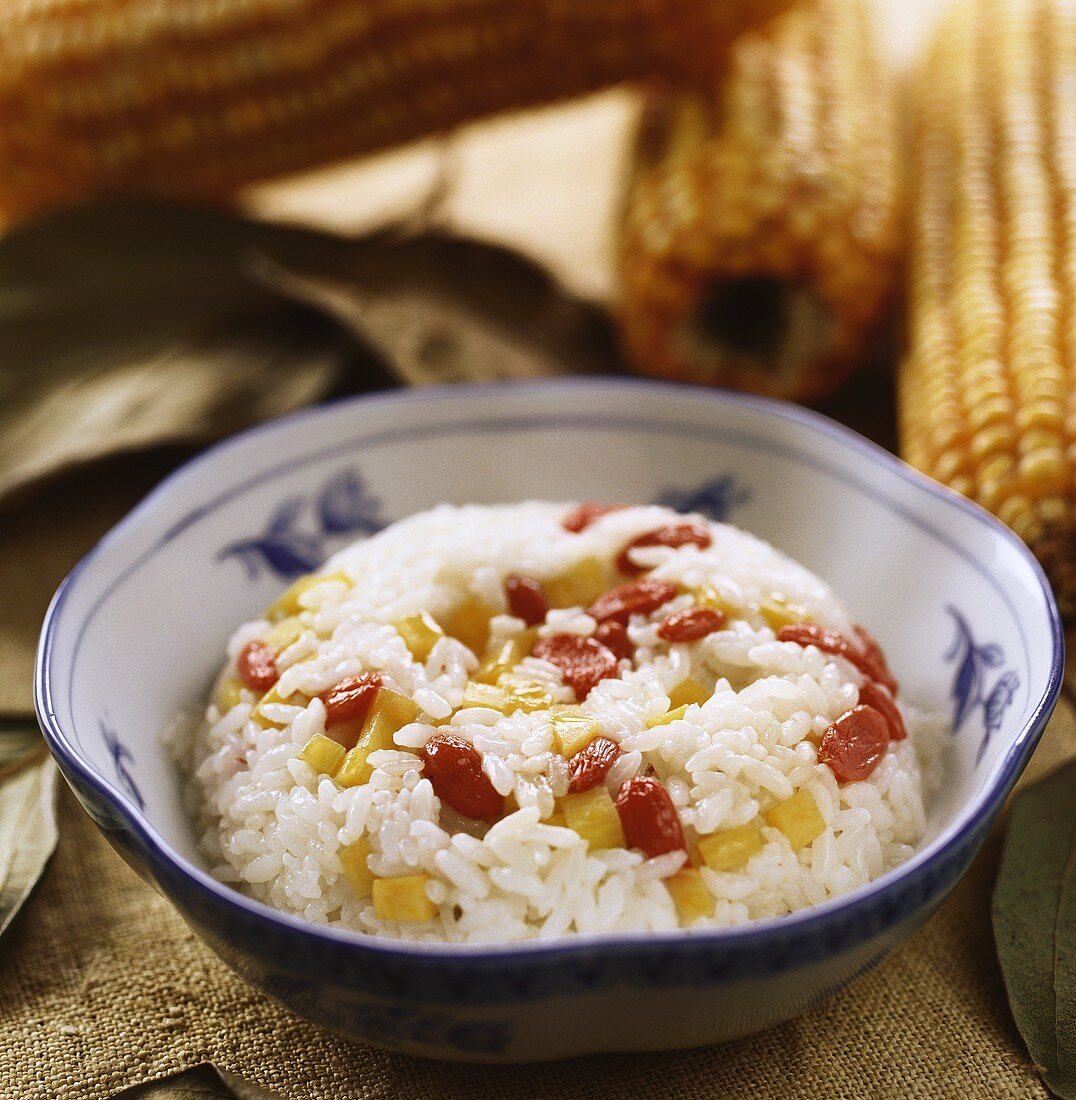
{"x":343,"y":506}
{"x":121,"y":757}
{"x":974,"y":665}
{"x":717,"y":498}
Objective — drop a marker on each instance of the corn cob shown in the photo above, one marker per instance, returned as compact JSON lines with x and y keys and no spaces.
{"x":761,"y":224}
{"x":197,"y":97}
{"x":987,"y":391}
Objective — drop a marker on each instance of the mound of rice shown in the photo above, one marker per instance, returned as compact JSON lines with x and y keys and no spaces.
{"x":278,"y":830}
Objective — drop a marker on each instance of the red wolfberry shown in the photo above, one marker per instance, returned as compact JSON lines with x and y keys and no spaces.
{"x":855,"y":743}
{"x":878,"y":696}
{"x":454,"y":769}
{"x":674,"y":535}
{"x":582,"y":661}
{"x":633,"y":598}
{"x":526,"y":599}
{"x":649,"y":818}
{"x":591,"y":765}
{"x":257,"y":666}
{"x":614,"y":636}
{"x":874,"y":658}
{"x":350,"y":700}
{"x":692,"y":624}
{"x":869,"y":661}
{"x":583,"y":515}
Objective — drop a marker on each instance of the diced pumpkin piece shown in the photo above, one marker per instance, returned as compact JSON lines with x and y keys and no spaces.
{"x":469,"y":623}
{"x":358,"y":874}
{"x":285,"y":632}
{"x":730,"y":849}
{"x":580,"y":585}
{"x":229,"y":693}
{"x":403,"y":899}
{"x":288,"y":602}
{"x":322,"y":753}
{"x":572,"y":733}
{"x":272,"y":696}
{"x":485,"y":695}
{"x":593,"y":815}
{"x":526,"y":695}
{"x":798,"y":818}
{"x":779,"y":611}
{"x":390,"y":712}
{"x":506,"y":657}
{"x":669,"y":716}
{"x":690,"y":895}
{"x":687,"y":692}
{"x":706,"y":596}
{"x":556,"y":818}
{"x":420,"y":634}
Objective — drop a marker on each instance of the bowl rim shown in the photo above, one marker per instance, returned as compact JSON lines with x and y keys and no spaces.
{"x":903,"y":880}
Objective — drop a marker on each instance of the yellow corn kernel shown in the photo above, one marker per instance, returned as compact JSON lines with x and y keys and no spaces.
{"x":670,"y":716}
{"x":420,"y":634}
{"x":730,"y":849}
{"x":284,"y":633}
{"x":689,"y":893}
{"x":506,"y":658}
{"x":798,"y":818}
{"x":322,"y":753}
{"x":229,"y":693}
{"x":469,"y":623}
{"x":687,"y":692}
{"x":779,"y":611}
{"x":358,"y":874}
{"x":572,"y":733}
{"x":288,"y":604}
{"x":403,"y":899}
{"x":390,"y":712}
{"x":580,"y":585}
{"x":594,"y":817}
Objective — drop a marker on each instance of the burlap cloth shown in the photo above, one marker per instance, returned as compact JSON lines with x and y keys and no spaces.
{"x":102,"y":986}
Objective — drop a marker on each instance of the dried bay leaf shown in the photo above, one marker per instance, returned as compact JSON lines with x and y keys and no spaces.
{"x":1027,"y":904}
{"x":203,"y":1082}
{"x":34,"y":842}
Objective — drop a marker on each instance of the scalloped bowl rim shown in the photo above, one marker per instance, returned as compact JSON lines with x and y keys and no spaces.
{"x":974,"y":817}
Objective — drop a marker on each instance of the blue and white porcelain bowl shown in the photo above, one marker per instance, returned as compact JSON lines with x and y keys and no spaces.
{"x":135,"y":634}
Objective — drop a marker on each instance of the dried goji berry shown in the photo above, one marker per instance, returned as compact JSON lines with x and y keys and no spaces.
{"x":692,"y":624}
{"x":633,"y":598}
{"x":869,"y":661}
{"x":257,"y":666}
{"x":454,"y":769}
{"x":876,"y":695}
{"x":590,"y":766}
{"x":855,"y":743}
{"x":648,"y":817}
{"x":582,"y":661}
{"x":614,"y":636}
{"x":526,"y":599}
{"x":674,"y":535}
{"x":874,"y":659}
{"x":583,"y":515}
{"x":350,"y":700}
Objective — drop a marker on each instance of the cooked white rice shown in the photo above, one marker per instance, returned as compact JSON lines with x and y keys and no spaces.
{"x":274,"y":829}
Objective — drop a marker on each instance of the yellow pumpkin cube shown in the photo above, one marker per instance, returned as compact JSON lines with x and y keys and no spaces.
{"x":593,"y":815}
{"x":580,"y":585}
{"x":389,"y":713}
{"x":690,"y":895}
{"x":798,"y":818}
{"x":420,"y":634}
{"x":687,"y":692}
{"x":730,"y":849}
{"x":286,"y":632}
{"x":485,"y":695}
{"x":287,"y":603}
{"x":572,"y":733}
{"x":403,"y":899}
{"x":525,"y":695}
{"x":669,"y":716}
{"x":272,"y":696}
{"x":506,"y":657}
{"x":778,"y":611}
{"x":322,"y":753}
{"x":358,"y":874}
{"x":229,"y":693}
{"x":469,"y":623}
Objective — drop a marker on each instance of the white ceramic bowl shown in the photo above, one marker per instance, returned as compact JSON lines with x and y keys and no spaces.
{"x":137,"y":631}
